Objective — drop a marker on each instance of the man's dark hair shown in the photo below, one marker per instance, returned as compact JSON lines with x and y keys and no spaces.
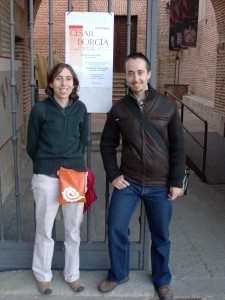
{"x":138,"y":55}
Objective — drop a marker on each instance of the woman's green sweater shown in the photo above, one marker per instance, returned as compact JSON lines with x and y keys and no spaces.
{"x":57,"y":137}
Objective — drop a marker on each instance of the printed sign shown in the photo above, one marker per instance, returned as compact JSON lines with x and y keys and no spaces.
{"x":89,"y":50}
{"x":183,"y":24}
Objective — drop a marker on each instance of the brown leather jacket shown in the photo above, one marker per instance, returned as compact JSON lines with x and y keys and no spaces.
{"x":142,"y":159}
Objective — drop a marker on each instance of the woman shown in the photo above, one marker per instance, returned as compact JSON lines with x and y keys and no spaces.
{"x":57,"y":135}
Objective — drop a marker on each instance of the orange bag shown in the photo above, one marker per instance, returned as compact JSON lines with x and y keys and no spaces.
{"x":71,"y":186}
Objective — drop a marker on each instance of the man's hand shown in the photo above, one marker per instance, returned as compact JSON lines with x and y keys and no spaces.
{"x":120,"y":183}
{"x":175,"y":192}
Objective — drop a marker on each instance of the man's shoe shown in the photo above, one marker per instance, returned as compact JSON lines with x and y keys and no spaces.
{"x":165,"y":292}
{"x":77,"y":285}
{"x":107,"y":286}
{"x":45,"y":287}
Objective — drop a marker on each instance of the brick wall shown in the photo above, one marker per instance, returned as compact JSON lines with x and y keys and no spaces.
{"x":59,"y":9}
{"x":197,"y":66}
{"x":200,"y":67}
{"x":5,"y":29}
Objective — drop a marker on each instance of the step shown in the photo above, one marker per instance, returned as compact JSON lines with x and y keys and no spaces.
{"x":21,"y":285}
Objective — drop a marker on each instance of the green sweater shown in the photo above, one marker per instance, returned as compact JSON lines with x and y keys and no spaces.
{"x":56,"y":137}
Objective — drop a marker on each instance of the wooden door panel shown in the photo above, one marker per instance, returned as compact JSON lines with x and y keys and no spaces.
{"x":120,"y":41}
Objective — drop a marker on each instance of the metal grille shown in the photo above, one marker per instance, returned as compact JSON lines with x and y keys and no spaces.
{"x":17,"y":222}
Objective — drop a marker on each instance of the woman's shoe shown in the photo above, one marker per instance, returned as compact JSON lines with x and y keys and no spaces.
{"x":45,"y":287}
{"x":77,"y":285}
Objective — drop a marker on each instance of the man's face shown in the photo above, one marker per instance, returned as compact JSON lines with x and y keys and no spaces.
{"x":137,"y":76}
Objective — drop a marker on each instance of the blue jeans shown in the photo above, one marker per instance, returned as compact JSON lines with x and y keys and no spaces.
{"x":159,"y":211}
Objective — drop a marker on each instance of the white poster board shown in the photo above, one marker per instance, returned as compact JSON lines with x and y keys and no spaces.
{"x":89,"y":50}
{"x":6,"y":99}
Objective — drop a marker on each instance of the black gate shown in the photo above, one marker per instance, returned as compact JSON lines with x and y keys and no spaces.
{"x":16,"y":246}
{"x":17,"y":222}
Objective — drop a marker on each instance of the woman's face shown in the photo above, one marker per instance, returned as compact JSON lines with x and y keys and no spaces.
{"x":62,"y":86}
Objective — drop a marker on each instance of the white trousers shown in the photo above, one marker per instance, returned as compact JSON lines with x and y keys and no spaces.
{"x":46,"y":195}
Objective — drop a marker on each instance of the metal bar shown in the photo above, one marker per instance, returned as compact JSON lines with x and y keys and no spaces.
{"x":14,"y":136}
{"x":51,"y":64}
{"x":182,"y":113}
{"x":109,"y":6}
{"x":148,"y":29}
{"x":1,"y":212}
{"x":89,"y":142}
{"x":205,"y":150}
{"x":128,"y":25}
{"x":89,"y":5}
{"x":107,"y":195}
{"x":204,"y":146}
{"x":70,"y":5}
{"x":177,"y":74}
{"x":151,"y":53}
{"x":50,"y":36}
{"x":189,"y":132}
{"x":185,"y":105}
{"x":32,"y":78}
{"x":31,"y":29}
{"x":151,"y":37}
{"x":193,"y":166}
{"x":142,"y":233}
{"x":128,"y":34}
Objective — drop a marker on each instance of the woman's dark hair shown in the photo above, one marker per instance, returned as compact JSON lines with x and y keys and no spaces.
{"x":138,"y":55}
{"x":55,"y":72}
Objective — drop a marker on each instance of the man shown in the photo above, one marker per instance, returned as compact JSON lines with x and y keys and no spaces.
{"x":146,"y":172}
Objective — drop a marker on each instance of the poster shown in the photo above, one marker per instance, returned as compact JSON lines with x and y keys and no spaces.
{"x":89,"y":50}
{"x":190,"y":23}
{"x":183,"y":24}
{"x":175,"y":35}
